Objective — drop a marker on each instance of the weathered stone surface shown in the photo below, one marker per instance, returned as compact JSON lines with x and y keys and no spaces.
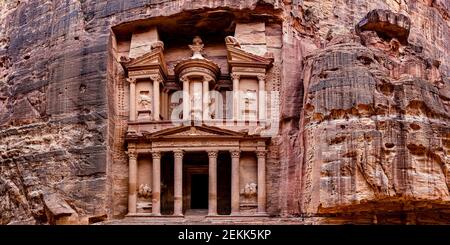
{"x":364,"y":128}
{"x":386,"y":23}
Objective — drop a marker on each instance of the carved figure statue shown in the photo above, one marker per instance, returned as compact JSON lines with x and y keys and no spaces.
{"x":212,"y":108}
{"x":250,"y":96}
{"x":144,"y":100}
{"x":145,"y":191}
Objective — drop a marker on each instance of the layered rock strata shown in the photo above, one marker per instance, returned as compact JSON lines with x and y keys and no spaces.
{"x":364,"y":114}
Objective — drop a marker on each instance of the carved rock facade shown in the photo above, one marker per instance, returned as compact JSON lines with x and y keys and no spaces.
{"x":364,"y":105}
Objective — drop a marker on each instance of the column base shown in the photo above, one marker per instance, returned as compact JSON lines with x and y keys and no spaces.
{"x":153,"y":215}
{"x":258,"y":214}
{"x":238,"y":219}
{"x":262,"y":213}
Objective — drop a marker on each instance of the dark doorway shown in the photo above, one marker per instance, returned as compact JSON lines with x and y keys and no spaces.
{"x":199,"y":191}
{"x":224,"y":183}
{"x":167,"y":183}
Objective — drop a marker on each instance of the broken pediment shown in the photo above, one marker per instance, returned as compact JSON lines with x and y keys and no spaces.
{"x":239,"y":57}
{"x":153,"y":60}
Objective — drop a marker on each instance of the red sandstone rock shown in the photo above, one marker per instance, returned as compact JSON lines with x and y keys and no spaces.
{"x":364,"y":128}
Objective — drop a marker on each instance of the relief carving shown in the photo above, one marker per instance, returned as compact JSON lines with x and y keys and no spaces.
{"x":212,"y":108}
{"x":250,"y":98}
{"x":250,"y":190}
{"x":145,"y":191}
{"x":144,"y":100}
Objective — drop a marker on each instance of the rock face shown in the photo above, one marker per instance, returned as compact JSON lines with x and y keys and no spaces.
{"x":365,"y":105}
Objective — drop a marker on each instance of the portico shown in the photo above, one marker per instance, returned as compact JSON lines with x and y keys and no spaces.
{"x":209,"y":142}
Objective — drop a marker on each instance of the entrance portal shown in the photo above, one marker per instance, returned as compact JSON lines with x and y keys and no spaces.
{"x":199,"y":191}
{"x":195,"y":180}
{"x":196,"y":183}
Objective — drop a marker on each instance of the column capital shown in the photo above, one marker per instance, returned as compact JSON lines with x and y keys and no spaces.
{"x":235,"y":76}
{"x":178,"y":153}
{"x":212,"y":154}
{"x":131,"y":80}
{"x":207,"y":78}
{"x":156,"y":78}
{"x":156,"y":154}
{"x":261,"y":153}
{"x":184,"y":79}
{"x":261,"y":77}
{"x":132,"y":154}
{"x":235,"y":153}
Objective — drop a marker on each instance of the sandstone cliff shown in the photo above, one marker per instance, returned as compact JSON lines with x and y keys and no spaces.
{"x":364,"y":129}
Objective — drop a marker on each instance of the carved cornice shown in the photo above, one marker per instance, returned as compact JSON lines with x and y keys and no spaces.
{"x":197,"y":67}
{"x":189,"y":131}
{"x":235,"y":153}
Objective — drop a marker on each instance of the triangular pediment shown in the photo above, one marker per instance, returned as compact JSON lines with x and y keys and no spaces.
{"x":240,"y":56}
{"x":195,"y":131}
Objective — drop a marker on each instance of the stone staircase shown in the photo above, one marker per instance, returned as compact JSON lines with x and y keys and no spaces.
{"x":199,"y":217}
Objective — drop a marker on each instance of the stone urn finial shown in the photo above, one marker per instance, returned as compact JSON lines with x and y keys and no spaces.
{"x":197,"y":48}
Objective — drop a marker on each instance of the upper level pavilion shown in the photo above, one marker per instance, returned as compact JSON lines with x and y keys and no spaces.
{"x":196,"y":91}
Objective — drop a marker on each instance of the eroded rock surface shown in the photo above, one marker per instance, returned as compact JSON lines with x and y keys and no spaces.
{"x":365,"y":95}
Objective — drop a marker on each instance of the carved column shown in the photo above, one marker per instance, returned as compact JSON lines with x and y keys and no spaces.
{"x":186,"y":99}
{"x":163,"y":104}
{"x":212,"y":205}
{"x":236,"y":105}
{"x":132,"y":182}
{"x":156,"y":81}
{"x":132,"y":82}
{"x":261,"y":97}
{"x":205,"y":108}
{"x":235,"y":154}
{"x":178,"y":185}
{"x":261,"y":155}
{"x":156,"y":193}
